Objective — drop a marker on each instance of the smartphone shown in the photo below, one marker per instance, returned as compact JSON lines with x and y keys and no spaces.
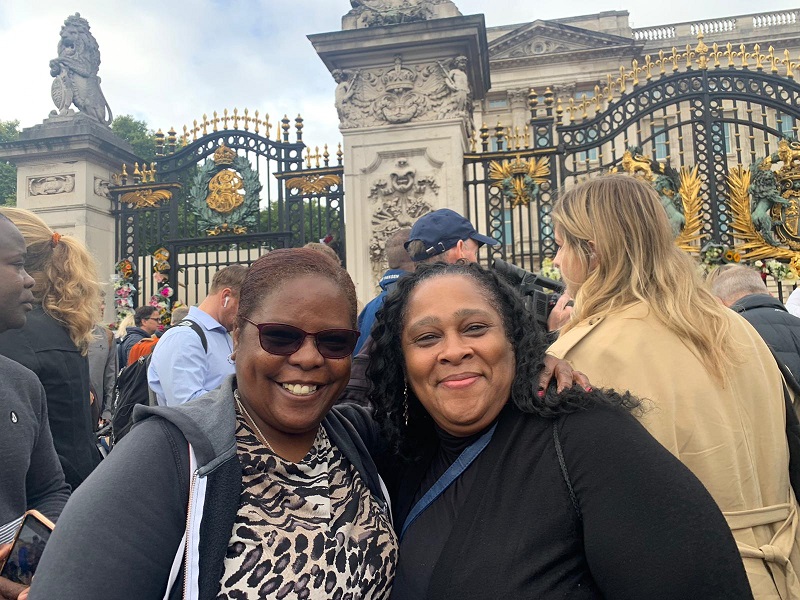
{"x":32,"y":535}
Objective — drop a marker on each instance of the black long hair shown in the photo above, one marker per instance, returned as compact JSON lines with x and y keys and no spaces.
{"x":386,"y":370}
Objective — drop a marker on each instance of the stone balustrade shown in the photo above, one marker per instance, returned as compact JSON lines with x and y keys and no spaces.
{"x":754,"y":24}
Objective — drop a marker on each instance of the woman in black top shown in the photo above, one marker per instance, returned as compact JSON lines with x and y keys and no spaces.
{"x":503,"y":492}
{"x":55,"y":339}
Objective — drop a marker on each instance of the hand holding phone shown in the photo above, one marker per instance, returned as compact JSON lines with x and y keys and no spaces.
{"x":8,"y":589}
{"x":21,"y":562}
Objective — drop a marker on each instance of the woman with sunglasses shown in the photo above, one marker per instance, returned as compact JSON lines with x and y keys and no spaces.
{"x":258,"y":489}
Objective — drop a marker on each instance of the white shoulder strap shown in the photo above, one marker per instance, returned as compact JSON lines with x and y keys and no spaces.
{"x":191,"y":535}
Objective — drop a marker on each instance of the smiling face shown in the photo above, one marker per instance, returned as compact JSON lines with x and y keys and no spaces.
{"x":290,"y":395}
{"x":459,"y":362}
{"x":16,"y":295}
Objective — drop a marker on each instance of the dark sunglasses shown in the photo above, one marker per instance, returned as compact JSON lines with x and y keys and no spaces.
{"x":284,"y":340}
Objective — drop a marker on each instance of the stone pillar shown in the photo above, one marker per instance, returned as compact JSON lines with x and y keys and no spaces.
{"x":404,"y":99}
{"x":63,"y":169}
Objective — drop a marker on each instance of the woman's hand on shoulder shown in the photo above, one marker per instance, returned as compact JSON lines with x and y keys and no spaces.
{"x":563,"y":373}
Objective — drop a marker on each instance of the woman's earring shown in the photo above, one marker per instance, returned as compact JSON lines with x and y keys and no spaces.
{"x":232,"y":358}
{"x":405,"y":403}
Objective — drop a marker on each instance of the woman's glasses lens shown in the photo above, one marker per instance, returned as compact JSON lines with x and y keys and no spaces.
{"x":285,"y":339}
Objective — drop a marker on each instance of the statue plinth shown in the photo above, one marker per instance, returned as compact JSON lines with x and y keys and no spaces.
{"x":404,"y":97}
{"x":64,"y":166}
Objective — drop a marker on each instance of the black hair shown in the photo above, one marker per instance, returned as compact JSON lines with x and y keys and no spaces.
{"x":142,"y":313}
{"x":271,"y":271}
{"x":386,"y":370}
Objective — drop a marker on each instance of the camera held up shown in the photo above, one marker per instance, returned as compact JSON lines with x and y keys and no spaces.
{"x":532,"y":287}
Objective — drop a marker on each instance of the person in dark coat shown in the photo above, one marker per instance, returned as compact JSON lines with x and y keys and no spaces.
{"x":741,"y":289}
{"x":501,"y":491}
{"x":55,"y":340}
{"x":399,"y":263}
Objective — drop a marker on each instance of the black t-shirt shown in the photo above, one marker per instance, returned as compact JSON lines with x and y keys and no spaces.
{"x":425,"y":538}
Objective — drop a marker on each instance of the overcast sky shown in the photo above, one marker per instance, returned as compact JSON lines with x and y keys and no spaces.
{"x":169,"y":61}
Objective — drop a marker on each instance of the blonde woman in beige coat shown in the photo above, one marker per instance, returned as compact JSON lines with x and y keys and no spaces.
{"x":643,"y":322}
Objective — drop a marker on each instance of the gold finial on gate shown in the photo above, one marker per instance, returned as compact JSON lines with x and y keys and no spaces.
{"x":159,"y":139}
{"x":246,"y":120}
{"x":533,"y":101}
{"x":256,"y":122}
{"x":758,"y":56}
{"x":308,"y":158}
{"x":215,"y":121}
{"x":325,"y":155}
{"x":285,"y":126}
{"x":298,"y":125}
{"x":339,"y":154}
{"x":235,"y":118}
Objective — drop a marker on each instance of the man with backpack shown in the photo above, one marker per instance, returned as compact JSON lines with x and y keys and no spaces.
{"x":185,"y":365}
{"x":146,"y":323}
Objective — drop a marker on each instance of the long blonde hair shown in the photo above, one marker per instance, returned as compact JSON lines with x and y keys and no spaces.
{"x":65,"y":275}
{"x":637,"y":260}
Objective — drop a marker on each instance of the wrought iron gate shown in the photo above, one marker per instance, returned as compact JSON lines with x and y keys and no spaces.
{"x":699,"y":124}
{"x":222,"y":196}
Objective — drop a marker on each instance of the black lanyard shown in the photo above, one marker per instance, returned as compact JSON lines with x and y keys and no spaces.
{"x":453,"y":472}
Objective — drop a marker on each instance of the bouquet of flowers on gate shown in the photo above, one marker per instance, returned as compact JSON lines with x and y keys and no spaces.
{"x":162,"y":299}
{"x":549,"y":270}
{"x":776,"y":269}
{"x":713,"y":254}
{"x":124,"y":290}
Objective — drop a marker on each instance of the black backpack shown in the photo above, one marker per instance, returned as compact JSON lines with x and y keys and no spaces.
{"x":131,"y":388}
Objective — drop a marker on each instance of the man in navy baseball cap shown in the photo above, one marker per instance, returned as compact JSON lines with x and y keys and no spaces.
{"x":445,"y":236}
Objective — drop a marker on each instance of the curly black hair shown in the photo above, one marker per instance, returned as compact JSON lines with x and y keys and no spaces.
{"x":386,"y":370}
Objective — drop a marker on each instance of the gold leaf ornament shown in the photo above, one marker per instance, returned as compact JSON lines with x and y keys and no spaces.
{"x":313,"y":184}
{"x":519,"y":180}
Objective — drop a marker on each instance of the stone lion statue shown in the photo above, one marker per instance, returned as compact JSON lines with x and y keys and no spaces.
{"x":75,"y":72}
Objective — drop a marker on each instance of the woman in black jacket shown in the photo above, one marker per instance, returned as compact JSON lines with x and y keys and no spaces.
{"x":55,"y":339}
{"x":506,"y":492}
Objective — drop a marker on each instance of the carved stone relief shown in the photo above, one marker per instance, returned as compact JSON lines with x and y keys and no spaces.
{"x":539,"y":46}
{"x":101,"y":188}
{"x":518,"y":98}
{"x":398,"y":196}
{"x":401,"y":94}
{"x":379,"y":13}
{"x":51,"y":185}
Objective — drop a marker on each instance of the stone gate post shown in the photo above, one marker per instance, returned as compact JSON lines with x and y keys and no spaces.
{"x":63,"y":169}
{"x":406,"y":79}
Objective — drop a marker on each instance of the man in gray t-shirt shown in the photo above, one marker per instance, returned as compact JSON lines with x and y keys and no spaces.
{"x":30,"y":473}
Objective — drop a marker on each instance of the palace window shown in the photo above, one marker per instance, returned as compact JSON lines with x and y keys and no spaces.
{"x":660,"y":142}
{"x":786,"y":125}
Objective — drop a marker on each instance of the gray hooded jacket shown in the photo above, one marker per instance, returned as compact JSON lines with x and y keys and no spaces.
{"x":121,"y":537}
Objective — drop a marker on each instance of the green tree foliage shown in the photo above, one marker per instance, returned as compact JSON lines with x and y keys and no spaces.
{"x":9,"y":132}
{"x":138,"y":135}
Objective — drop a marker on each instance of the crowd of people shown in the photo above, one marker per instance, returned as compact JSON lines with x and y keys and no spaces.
{"x":438,"y":444}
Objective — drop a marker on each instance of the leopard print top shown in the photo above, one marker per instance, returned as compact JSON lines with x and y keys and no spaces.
{"x":308,"y":530}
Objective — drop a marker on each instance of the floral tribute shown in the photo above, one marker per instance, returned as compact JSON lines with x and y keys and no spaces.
{"x":162,"y":299}
{"x":124,"y":290}
{"x":712,"y":255}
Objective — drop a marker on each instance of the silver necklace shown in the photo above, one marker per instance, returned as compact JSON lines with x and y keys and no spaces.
{"x":251,"y":421}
